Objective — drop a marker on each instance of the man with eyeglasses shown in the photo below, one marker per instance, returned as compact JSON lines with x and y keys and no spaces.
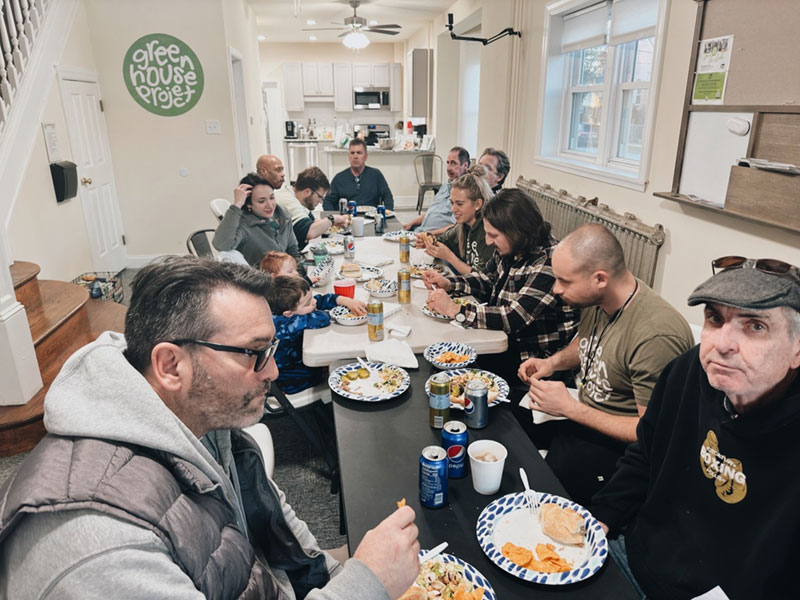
{"x":365,"y":185}
{"x":309,"y":191}
{"x":708,"y":495}
{"x":145,"y":487}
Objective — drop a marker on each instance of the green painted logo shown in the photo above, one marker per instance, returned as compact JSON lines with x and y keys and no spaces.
{"x":163,"y":74}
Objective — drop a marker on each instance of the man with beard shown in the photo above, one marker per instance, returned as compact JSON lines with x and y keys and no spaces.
{"x":145,"y":487}
{"x":309,"y":191}
{"x":626,"y":336}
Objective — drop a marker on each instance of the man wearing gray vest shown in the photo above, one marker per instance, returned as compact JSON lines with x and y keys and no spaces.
{"x":145,"y":486}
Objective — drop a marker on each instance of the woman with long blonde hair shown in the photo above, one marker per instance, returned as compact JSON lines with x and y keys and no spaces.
{"x":464,"y":245}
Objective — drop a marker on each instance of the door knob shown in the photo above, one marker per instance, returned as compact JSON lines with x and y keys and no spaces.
{"x":86,"y":181}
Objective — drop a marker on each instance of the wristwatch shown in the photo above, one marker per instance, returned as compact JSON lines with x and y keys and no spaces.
{"x":330,"y":218}
{"x":460,"y":316}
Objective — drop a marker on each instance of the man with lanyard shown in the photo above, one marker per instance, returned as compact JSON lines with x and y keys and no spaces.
{"x":627,"y":335}
{"x":439,"y":218}
{"x":361,"y":183}
{"x":708,"y":492}
{"x":309,"y":190}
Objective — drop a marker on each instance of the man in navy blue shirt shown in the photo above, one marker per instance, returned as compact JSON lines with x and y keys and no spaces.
{"x":361,"y":183}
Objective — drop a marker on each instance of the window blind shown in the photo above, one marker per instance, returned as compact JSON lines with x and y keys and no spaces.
{"x":585,"y":28}
{"x":632,"y":20}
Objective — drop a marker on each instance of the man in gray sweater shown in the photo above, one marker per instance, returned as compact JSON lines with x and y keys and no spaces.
{"x":145,"y":487}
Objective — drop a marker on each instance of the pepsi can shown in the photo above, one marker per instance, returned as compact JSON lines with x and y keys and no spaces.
{"x":343,"y":206}
{"x":380,"y":219}
{"x":433,"y":477}
{"x":349,"y":246}
{"x":352,"y":208}
{"x":455,"y":440}
{"x":476,"y":405}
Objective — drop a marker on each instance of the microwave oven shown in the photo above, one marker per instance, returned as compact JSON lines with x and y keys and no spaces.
{"x":370,"y":98}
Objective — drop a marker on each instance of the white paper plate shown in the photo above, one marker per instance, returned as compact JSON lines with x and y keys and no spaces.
{"x":394,"y":236}
{"x":367,"y":273}
{"x":500,"y":521}
{"x":387,"y":289}
{"x":364,"y":389}
{"x":502,"y":386}
{"x":323,"y":270}
{"x":434,"y":350}
{"x":471,"y":574}
{"x":339,"y":312}
{"x":417,"y":268}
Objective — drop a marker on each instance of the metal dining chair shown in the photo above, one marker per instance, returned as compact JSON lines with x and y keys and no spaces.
{"x":199,"y":244}
{"x":428,"y":168}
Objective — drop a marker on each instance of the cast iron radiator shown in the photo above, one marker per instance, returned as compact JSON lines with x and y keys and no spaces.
{"x":566,"y":213}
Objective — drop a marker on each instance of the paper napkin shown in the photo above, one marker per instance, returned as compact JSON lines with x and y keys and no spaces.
{"x":376,"y":260}
{"x":393,"y":352}
{"x":399,"y":330}
{"x":389,"y":308}
{"x":541,"y":417}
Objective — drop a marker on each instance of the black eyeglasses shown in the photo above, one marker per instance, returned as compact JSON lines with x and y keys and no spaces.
{"x":262,"y":356}
{"x":318,"y":195}
{"x":772,"y":266}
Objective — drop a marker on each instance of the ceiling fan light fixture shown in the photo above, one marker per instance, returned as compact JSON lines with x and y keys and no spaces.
{"x":355,"y":40}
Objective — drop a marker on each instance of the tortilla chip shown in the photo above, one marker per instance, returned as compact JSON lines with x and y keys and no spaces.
{"x":401,"y":503}
{"x":549,"y":560}
{"x":461,"y":593}
{"x":517,"y":554}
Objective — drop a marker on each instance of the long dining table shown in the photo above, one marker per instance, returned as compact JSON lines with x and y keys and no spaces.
{"x":379,"y":445}
{"x":323,"y":346}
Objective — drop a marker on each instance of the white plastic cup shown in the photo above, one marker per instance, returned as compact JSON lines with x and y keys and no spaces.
{"x":486,"y":460}
{"x":358,"y":226}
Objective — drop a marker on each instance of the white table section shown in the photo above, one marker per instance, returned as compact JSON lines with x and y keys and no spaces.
{"x":321,"y":347}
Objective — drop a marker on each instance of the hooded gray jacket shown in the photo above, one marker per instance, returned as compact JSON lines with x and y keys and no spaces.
{"x":99,"y":395}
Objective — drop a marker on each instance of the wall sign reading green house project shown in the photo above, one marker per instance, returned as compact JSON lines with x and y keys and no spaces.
{"x":163,"y":74}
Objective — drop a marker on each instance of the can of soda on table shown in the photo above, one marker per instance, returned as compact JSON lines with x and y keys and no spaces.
{"x":405,"y":248}
{"x":352,"y":208}
{"x":375,"y":320}
{"x":455,"y":440}
{"x":349,"y":246}
{"x":476,"y":404}
{"x":404,"y":286}
{"x":343,"y":206}
{"x":439,"y":400}
{"x":380,"y":219}
{"x":433,"y":477}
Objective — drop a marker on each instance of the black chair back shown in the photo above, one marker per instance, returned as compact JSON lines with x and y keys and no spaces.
{"x":199,"y":243}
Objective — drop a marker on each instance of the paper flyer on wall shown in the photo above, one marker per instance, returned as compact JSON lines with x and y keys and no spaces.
{"x":711,"y":76}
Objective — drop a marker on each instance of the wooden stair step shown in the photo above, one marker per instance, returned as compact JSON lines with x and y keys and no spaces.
{"x":21,"y":427}
{"x":59,"y":302}
{"x":26,"y":285}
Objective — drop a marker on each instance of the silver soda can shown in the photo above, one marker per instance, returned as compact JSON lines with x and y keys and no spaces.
{"x":433,"y":477}
{"x":349,"y":246}
{"x":343,"y":206}
{"x":476,"y":405}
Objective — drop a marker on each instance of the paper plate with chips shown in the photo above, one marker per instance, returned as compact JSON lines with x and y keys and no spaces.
{"x":513,"y":539}
{"x":450,"y":355}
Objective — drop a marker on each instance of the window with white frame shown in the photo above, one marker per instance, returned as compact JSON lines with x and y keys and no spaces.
{"x":598,"y":88}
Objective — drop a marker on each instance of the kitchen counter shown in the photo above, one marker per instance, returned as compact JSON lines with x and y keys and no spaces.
{"x":376,"y":150}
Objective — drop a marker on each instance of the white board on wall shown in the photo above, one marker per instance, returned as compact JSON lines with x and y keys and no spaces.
{"x":710,"y":152}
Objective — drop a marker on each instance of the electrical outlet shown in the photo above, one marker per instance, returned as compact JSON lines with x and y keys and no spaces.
{"x":213,"y":127}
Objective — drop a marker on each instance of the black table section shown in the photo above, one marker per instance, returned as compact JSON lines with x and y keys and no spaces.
{"x":379,"y":448}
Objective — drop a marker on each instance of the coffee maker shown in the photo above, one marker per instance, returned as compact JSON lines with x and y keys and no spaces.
{"x":291,"y":130}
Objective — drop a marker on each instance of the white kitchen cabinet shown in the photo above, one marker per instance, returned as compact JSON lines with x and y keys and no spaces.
{"x":343,"y":87}
{"x":396,"y":88}
{"x":362,"y":75}
{"x":293,"y":87}
{"x":380,"y":75}
{"x":317,"y":79}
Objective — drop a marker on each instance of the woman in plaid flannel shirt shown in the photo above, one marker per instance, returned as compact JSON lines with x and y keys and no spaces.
{"x":515,"y":291}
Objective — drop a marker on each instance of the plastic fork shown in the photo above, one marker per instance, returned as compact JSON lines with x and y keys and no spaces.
{"x":363,"y":364}
{"x":432,"y":553}
{"x":530,"y":495}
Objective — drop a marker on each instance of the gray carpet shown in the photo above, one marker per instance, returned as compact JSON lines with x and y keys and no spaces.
{"x":300,"y":471}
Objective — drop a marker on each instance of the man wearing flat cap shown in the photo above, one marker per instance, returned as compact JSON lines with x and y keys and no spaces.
{"x":709,"y":494}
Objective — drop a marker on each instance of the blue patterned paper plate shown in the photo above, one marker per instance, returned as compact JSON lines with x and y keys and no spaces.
{"x":597,"y":545}
{"x":335,"y":383}
{"x":394,"y":236}
{"x":502,"y":386}
{"x":323,"y":270}
{"x":381,"y":288}
{"x":434,"y":350}
{"x":471,"y":574}
{"x":340,"y":314}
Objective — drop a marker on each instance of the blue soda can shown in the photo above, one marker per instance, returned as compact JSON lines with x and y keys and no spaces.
{"x":476,"y":405}
{"x":353,"y":208}
{"x":433,"y":477}
{"x":455,"y":440}
{"x":380,"y":219}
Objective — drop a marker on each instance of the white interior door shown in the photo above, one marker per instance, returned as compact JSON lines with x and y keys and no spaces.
{"x":96,"y":189}
{"x":240,"y":113}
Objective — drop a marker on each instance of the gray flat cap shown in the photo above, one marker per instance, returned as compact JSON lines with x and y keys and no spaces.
{"x":749,"y":288}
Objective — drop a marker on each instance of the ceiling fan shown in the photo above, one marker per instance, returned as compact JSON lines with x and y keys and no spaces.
{"x":356,"y":24}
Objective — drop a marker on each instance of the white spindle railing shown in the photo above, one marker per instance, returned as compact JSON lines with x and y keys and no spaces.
{"x":20,"y":24}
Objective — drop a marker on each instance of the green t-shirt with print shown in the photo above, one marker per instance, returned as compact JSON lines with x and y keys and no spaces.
{"x":476,"y":251}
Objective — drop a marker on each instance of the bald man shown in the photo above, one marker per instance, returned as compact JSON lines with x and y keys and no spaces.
{"x":626,"y":336}
{"x":271,"y":168}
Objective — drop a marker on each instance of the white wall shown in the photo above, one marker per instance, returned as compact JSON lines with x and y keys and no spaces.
{"x":41,"y":230}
